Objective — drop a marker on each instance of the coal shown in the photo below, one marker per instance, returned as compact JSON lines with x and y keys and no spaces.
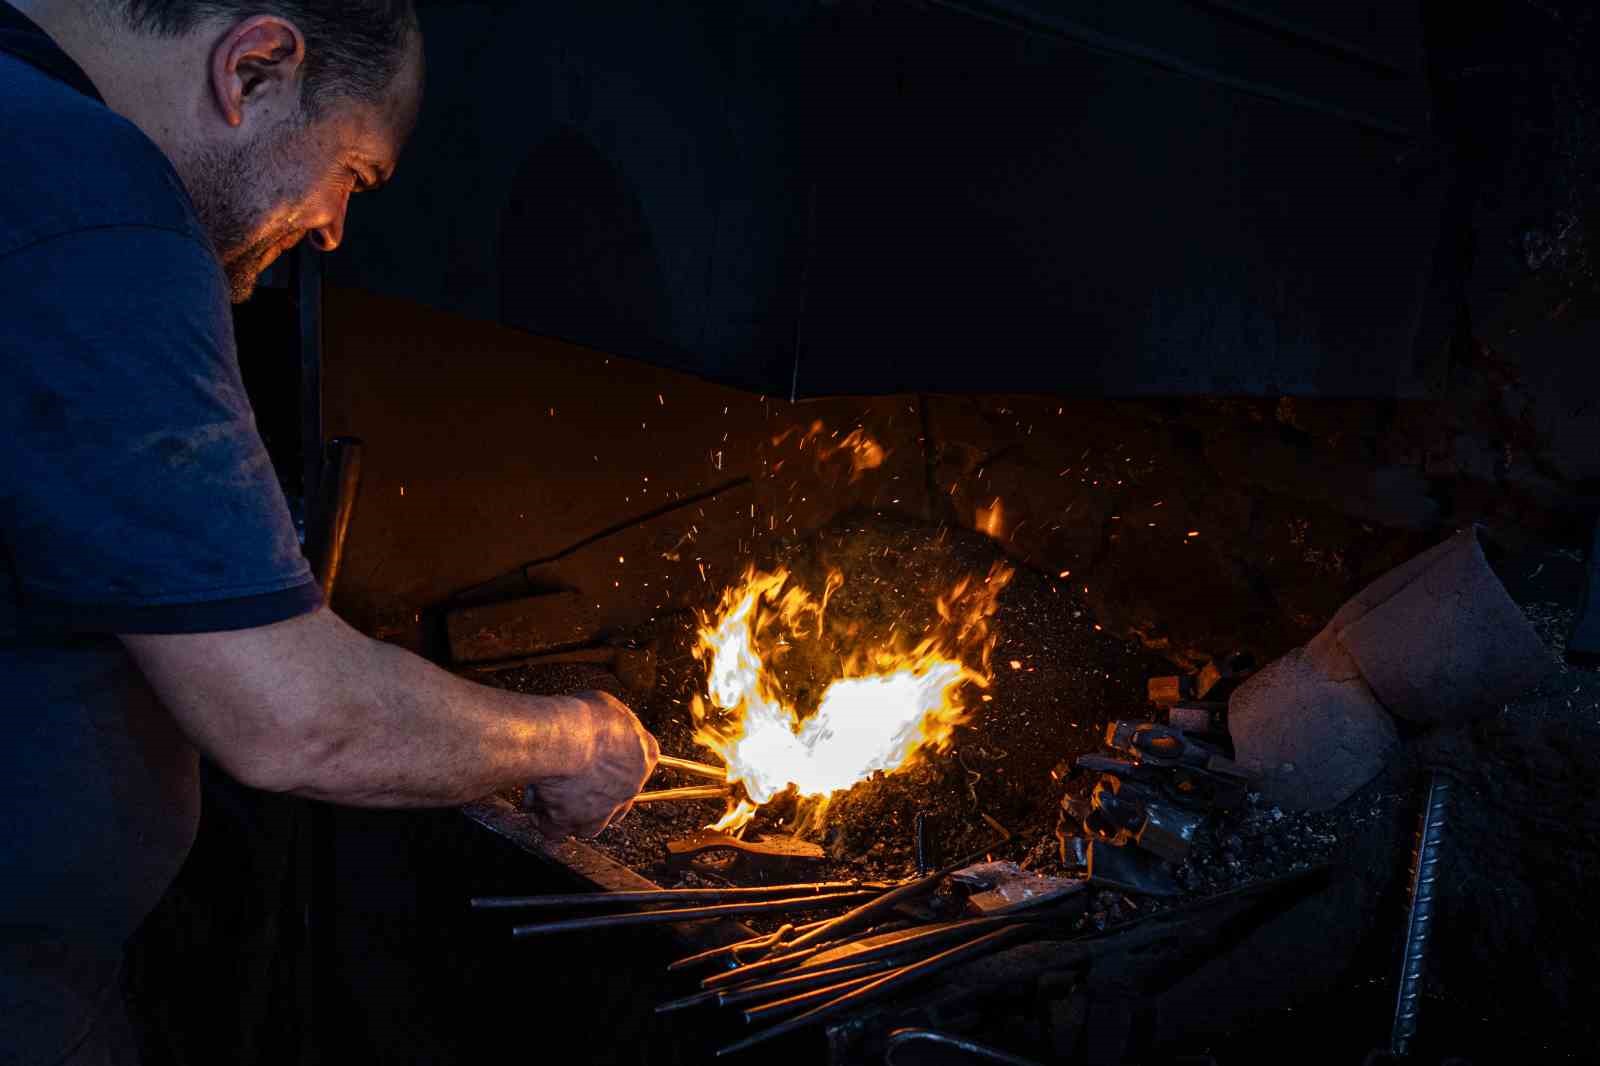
{"x":1070,"y":681}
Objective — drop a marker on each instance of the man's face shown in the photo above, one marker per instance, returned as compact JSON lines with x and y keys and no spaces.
{"x":294,"y":180}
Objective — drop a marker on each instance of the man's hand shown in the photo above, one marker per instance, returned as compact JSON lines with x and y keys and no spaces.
{"x":615,"y":756}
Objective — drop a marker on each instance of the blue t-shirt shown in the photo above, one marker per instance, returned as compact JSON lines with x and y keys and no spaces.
{"x":135,"y":497}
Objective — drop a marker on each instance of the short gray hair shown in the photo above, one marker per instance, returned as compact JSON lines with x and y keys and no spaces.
{"x":354,"y":48}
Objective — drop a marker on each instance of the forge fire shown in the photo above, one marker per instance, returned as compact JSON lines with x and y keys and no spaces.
{"x":892,"y":697}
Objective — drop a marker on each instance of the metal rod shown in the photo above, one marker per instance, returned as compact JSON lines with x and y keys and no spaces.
{"x":865,"y":913}
{"x":800,"y":982}
{"x":879,"y":986}
{"x":678,"y":795}
{"x":776,"y":964}
{"x":686,"y":914}
{"x":699,"y":999}
{"x":1419,"y":922}
{"x":912,"y":943}
{"x":752,"y":944}
{"x":779,"y":1008}
{"x":664,"y":895}
{"x":689,"y":766}
{"x":336,"y":502}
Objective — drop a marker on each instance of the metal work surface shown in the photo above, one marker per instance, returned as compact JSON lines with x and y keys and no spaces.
{"x":605,"y":874}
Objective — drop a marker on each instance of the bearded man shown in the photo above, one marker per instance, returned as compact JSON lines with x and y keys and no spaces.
{"x":157,"y":156}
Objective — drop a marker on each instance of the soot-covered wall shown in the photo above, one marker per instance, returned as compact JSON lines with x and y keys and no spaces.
{"x":1166,"y":196}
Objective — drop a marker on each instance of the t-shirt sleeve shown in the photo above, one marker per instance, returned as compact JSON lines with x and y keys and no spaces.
{"x":136,"y":495}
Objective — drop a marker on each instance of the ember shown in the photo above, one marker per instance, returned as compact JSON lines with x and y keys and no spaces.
{"x":890,"y":699}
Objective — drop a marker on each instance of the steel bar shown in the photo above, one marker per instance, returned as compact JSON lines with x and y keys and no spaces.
{"x":864,"y":914}
{"x":686,"y":914}
{"x":800,"y":982}
{"x":699,"y":999}
{"x":878,"y":987}
{"x":677,"y":795}
{"x":1419,"y":923}
{"x":775,"y":964}
{"x":788,"y":960}
{"x":753,"y":944}
{"x":689,"y":766}
{"x":782,"y":1008}
{"x":668,"y":895}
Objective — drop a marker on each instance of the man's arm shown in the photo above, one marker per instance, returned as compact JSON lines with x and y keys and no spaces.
{"x":310,"y":706}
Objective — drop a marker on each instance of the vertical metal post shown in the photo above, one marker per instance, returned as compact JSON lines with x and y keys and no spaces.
{"x":1419,"y":922}
{"x":305,"y":279}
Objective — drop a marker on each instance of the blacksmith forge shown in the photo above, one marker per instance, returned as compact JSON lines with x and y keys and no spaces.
{"x":1185,"y":321}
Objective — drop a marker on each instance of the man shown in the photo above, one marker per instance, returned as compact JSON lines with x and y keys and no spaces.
{"x":156,"y":156}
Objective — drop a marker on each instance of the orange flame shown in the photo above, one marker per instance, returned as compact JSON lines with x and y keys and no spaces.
{"x":992,"y":519}
{"x":888,"y":703}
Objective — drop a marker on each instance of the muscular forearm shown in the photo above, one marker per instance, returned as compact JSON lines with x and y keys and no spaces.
{"x":314,"y":708}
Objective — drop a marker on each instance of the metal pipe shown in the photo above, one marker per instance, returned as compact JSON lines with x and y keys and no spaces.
{"x":1419,"y":920}
{"x":664,"y":895}
{"x":685,"y":914}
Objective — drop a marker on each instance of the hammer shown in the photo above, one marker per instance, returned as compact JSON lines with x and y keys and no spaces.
{"x":1583,"y":644}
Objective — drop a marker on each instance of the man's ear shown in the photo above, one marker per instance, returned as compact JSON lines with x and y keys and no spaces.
{"x":256,"y":59}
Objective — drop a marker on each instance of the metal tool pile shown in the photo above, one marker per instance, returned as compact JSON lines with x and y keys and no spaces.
{"x":846,"y":967}
{"x":1139,"y":818}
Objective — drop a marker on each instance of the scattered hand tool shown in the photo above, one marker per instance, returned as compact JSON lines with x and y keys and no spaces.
{"x":1159,"y":745}
{"x":1004,"y":888}
{"x":1124,"y":812}
{"x":1130,"y":870}
{"x":1186,"y":786}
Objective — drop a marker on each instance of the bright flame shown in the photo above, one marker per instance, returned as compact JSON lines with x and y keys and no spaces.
{"x":889,"y":703}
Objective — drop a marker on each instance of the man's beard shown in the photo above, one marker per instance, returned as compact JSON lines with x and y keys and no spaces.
{"x":221,"y":181}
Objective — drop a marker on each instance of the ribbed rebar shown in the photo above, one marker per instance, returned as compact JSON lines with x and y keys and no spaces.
{"x":1419,"y":923}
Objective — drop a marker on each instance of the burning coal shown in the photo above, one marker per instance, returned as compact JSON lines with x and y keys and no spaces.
{"x":892,"y":699}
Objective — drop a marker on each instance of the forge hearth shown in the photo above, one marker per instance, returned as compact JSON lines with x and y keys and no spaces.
{"x":1059,"y":680}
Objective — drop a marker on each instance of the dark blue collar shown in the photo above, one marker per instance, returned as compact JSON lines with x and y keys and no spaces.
{"x":21,"y":37}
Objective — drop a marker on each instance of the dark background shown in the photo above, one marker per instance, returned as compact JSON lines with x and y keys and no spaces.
{"x":1385,"y":202}
{"x":1160,"y":196}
